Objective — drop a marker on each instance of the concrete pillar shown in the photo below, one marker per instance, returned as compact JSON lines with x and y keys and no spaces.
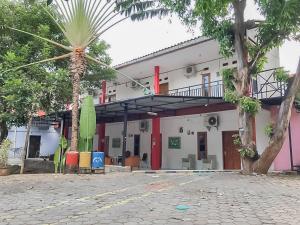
{"x":156,"y":137}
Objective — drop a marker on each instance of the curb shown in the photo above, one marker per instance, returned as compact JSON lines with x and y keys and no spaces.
{"x":184,"y":171}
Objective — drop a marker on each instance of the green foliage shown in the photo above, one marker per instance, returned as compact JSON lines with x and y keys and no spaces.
{"x":237,"y":140}
{"x":250,"y":105}
{"x":281,"y":75}
{"x":228,"y":78}
{"x":87,"y":121}
{"x":46,"y":86}
{"x":231,"y":96}
{"x":269,"y":130}
{"x":247,"y":152}
{"x":62,"y":147}
{"x":85,"y":144}
{"x":4,"y":151}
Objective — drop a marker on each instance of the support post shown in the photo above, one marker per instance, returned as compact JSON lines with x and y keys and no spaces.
{"x":291,"y":147}
{"x":156,"y":138}
{"x":101,"y":127}
{"x":124,"y":134}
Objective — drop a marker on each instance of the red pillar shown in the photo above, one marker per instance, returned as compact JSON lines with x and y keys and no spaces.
{"x":156,"y":150}
{"x":101,"y":126}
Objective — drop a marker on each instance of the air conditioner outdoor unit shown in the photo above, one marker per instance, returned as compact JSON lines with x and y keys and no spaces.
{"x":144,"y":125}
{"x":190,"y":71}
{"x":211,"y":120}
{"x":133,"y":85}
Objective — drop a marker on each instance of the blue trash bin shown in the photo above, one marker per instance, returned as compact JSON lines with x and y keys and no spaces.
{"x":98,"y":160}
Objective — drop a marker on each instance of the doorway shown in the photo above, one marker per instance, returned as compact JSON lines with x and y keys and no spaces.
{"x":202,"y":145}
{"x":231,"y":155}
{"x":136,"y":144}
{"x":160,"y":147}
{"x":164,"y":89}
{"x":34,"y":146}
{"x":206,"y":84}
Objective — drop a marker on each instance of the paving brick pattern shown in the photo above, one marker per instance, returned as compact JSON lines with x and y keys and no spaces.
{"x":141,"y":199}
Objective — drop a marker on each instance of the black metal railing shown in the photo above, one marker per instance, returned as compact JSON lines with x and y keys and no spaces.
{"x":212,"y":89}
{"x":265,"y":85}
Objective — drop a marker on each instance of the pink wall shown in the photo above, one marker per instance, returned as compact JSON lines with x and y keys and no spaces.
{"x":282,"y":161}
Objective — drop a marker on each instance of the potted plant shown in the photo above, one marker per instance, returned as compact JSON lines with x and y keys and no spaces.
{"x":87,"y":131}
{"x":4,"y":151}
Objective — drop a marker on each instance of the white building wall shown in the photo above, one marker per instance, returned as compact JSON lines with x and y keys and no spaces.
{"x":49,"y":138}
{"x":114,"y":130}
{"x":172,"y":158}
{"x":262,"y":119}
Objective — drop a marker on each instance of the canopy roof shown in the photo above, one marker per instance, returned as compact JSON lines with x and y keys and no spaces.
{"x":148,"y":106}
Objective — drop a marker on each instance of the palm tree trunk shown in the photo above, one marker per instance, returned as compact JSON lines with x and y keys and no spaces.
{"x":77,"y":67}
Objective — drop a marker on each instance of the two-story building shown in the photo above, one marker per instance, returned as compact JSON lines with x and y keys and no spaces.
{"x":183,"y":121}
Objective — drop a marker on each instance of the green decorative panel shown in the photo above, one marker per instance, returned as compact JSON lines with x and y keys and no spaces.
{"x":174,"y":142}
{"x":116,"y":142}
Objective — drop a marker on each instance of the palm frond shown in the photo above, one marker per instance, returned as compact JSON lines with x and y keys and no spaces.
{"x":42,"y":38}
{"x":39,"y":62}
{"x":77,"y":18}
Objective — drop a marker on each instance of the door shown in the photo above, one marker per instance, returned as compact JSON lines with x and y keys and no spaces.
{"x":205,"y":84}
{"x":34,"y":146}
{"x":160,"y":146}
{"x":136,"y":145}
{"x":231,"y":156}
{"x":164,"y":89}
{"x":202,"y":145}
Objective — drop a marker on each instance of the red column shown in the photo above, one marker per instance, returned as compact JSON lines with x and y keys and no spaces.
{"x":156,"y":150}
{"x":101,"y":127}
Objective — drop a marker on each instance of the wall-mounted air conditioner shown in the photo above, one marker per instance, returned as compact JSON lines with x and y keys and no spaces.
{"x":190,"y":71}
{"x":134,"y":84}
{"x":211,"y":120}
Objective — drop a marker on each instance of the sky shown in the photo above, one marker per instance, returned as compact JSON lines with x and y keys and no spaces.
{"x":129,"y":40}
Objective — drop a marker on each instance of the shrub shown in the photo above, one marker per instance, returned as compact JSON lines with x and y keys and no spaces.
{"x":4,"y":150}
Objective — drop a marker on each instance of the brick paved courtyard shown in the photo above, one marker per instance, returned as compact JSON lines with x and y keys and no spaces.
{"x":136,"y":198}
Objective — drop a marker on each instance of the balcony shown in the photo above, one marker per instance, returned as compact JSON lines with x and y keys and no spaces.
{"x":263,"y":87}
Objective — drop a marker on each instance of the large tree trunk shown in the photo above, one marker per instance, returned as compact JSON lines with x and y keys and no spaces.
{"x":24,"y":152}
{"x":3,"y":131}
{"x":263,"y":164}
{"x":77,"y":67}
{"x":242,"y":79}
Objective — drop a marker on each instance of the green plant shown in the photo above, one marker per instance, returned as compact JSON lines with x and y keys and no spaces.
{"x":250,"y":105}
{"x":82,"y":23}
{"x":269,"y":130}
{"x":281,"y":75}
{"x":87,"y":122}
{"x":4,"y":151}
{"x":231,"y":96}
{"x":237,"y":140}
{"x":248,"y":151}
{"x":228,"y":77}
{"x":62,"y":147}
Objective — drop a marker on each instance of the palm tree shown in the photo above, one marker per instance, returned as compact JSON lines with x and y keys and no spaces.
{"x":82,"y":23}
